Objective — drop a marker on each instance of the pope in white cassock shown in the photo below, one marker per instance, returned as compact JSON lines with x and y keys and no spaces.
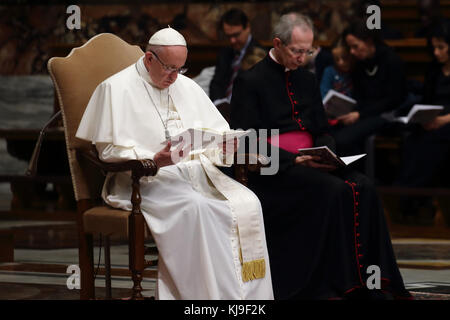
{"x":208,"y":228}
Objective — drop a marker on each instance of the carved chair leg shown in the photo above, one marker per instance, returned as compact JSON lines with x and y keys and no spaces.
{"x":137,"y":253}
{"x":136,"y":240}
{"x":107,"y":246}
{"x":86,"y":261}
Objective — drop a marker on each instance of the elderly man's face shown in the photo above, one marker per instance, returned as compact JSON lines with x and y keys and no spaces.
{"x":163,"y":66}
{"x":295,"y":54}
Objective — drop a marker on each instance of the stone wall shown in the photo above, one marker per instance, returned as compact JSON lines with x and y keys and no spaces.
{"x":30,"y":34}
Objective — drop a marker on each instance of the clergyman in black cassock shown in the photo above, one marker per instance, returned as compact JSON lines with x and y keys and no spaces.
{"x":324,"y":229}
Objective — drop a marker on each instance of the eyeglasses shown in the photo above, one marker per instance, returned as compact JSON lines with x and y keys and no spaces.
{"x":233,"y":35}
{"x":169,"y":69}
{"x":301,"y":52}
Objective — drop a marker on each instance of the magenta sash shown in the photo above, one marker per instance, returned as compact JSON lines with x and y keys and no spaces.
{"x":292,"y":141}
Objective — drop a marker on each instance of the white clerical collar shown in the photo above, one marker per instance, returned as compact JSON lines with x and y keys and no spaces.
{"x":142,"y":70}
{"x":275,"y":59}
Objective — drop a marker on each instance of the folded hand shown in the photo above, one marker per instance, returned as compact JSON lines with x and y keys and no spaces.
{"x":348,"y":118}
{"x":165,"y":157}
{"x":313,"y":162}
{"x":437,"y":123}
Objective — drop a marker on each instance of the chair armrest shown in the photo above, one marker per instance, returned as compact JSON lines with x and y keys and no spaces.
{"x":256,"y":161}
{"x":252,"y":162}
{"x":139,"y":168}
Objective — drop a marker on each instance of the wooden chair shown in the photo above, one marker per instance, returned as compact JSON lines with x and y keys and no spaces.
{"x":75,"y":77}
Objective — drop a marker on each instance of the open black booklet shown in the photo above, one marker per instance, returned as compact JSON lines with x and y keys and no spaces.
{"x":421,"y":113}
{"x":329,"y":157}
{"x":337,"y":104}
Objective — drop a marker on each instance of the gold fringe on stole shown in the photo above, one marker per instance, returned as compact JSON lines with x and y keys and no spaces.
{"x":251,"y":270}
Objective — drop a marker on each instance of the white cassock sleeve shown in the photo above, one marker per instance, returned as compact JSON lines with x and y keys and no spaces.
{"x":110,"y":153}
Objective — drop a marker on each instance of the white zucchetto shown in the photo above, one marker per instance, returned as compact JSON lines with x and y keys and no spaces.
{"x":167,"y":37}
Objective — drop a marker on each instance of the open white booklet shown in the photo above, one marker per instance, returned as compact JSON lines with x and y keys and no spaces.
{"x":421,"y":113}
{"x":203,"y":138}
{"x":337,"y":104}
{"x":329,"y":157}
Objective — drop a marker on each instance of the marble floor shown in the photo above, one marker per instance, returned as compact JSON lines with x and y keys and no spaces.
{"x":44,"y":274}
{"x":41,"y":274}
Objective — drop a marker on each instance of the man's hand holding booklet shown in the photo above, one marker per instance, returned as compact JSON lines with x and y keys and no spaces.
{"x":328,"y":157}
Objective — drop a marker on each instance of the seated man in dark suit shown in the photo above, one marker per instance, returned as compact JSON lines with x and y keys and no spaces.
{"x":235,"y":26}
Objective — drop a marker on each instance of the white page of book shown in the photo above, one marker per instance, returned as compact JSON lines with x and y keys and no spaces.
{"x":350,"y":159}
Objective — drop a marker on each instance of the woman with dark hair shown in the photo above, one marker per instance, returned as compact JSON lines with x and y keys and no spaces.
{"x":378,"y":87}
{"x":427,"y":148}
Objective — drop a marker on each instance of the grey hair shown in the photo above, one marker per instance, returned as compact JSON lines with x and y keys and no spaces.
{"x":153,"y":47}
{"x":158,"y":49}
{"x":287,"y":23}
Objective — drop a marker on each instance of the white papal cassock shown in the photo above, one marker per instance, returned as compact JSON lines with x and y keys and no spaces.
{"x":192,"y":208}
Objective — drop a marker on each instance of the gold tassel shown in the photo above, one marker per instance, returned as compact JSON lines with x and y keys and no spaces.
{"x":251,"y":270}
